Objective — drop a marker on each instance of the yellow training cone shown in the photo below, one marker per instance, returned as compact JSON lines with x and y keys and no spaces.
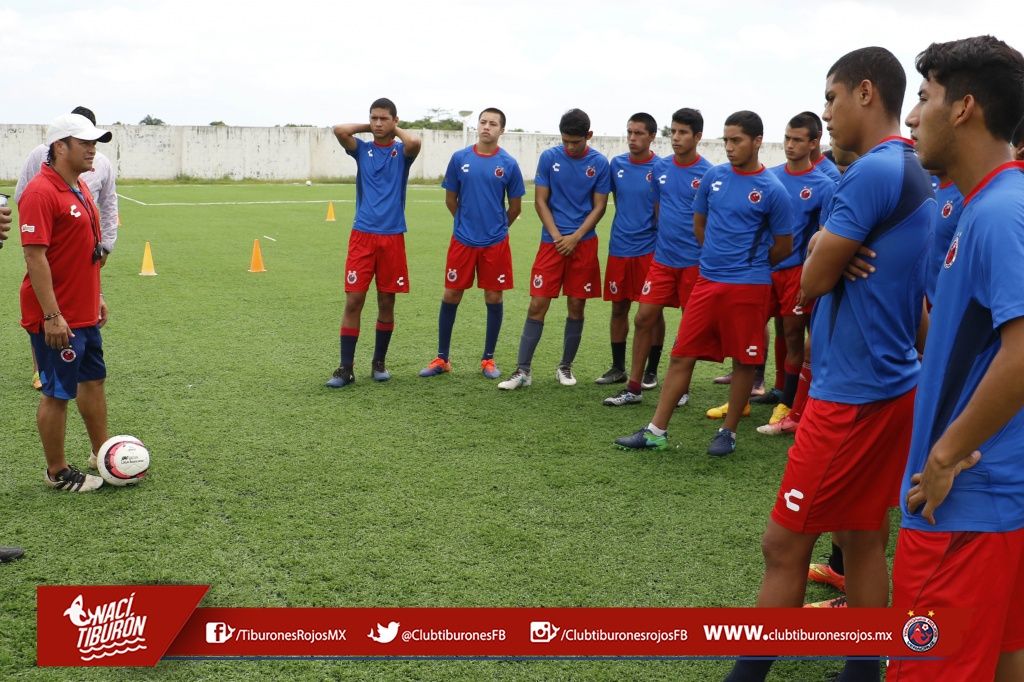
{"x":257,"y":258}
{"x":330,"y":212}
{"x":147,"y":262}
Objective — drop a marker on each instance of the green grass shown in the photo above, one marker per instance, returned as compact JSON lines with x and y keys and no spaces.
{"x":418,"y":492}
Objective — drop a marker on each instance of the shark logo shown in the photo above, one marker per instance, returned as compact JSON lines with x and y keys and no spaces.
{"x":499,"y":172}
{"x":716,"y":185}
{"x":465,"y":168}
{"x":754,"y":196}
{"x":591,"y":171}
{"x":74,"y":211}
{"x":555,"y":167}
{"x":107,"y":630}
{"x":76,"y":614}
{"x":384,"y":634}
{"x":501,"y":278}
{"x":619,"y":174}
{"x":661,"y":179}
{"x":218,"y":633}
{"x":793,"y":494}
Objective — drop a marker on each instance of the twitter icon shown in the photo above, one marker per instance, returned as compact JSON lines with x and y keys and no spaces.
{"x":384,"y":634}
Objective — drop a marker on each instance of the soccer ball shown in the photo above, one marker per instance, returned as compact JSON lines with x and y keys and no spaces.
{"x":309,"y":183}
{"x":122,"y":460}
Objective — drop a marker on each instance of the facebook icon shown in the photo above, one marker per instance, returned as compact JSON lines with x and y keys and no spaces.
{"x":218,"y":633}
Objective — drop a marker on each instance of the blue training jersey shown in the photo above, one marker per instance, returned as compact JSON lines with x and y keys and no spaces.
{"x":573,"y":182}
{"x":979,"y":289}
{"x":744,"y":212}
{"x":950,"y":203}
{"x":810,"y":192}
{"x":829,"y":168}
{"x":675,"y":188}
{"x":633,"y":231}
{"x":864,"y":331}
{"x":381,"y":179}
{"x":482,"y":183}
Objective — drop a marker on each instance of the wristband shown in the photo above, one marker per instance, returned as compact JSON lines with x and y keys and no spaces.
{"x":47,"y":318}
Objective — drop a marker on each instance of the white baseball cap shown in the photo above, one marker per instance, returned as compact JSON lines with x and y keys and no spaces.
{"x":75,"y":125}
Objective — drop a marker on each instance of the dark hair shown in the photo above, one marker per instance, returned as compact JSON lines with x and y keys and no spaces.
{"x":574,"y":122}
{"x":689,"y":117}
{"x":492,"y":110}
{"x":748,"y":121}
{"x":1018,"y":136}
{"x":987,"y":69}
{"x":385,"y":103}
{"x":646,"y":120}
{"x":878,"y":65}
{"x":51,"y":155}
{"x":82,"y":111}
{"x":818,"y":127}
{"x":806,"y":120}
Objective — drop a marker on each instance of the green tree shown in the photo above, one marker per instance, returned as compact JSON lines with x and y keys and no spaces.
{"x":436,"y":119}
{"x":218,"y":123}
{"x":666,"y":131}
{"x":150,"y":121}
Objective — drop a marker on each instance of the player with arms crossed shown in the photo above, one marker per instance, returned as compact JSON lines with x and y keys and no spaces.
{"x":744,"y":222}
{"x":844,"y":470}
{"x":631,"y":243}
{"x":478,"y":180}
{"x":376,"y":246}
{"x":572,"y":185}
{"x":961,"y":544}
{"x":674,"y":269}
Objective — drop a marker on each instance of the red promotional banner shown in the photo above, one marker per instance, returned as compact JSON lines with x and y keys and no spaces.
{"x":110,"y":625}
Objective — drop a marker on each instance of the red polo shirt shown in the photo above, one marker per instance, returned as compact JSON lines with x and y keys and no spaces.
{"x":52,"y":215}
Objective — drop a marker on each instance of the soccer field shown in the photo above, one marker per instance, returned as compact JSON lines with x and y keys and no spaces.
{"x":277,"y":491}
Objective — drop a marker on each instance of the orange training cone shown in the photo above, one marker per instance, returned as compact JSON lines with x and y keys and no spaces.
{"x":257,"y":258}
{"x":147,"y":262}
{"x":330,"y":212}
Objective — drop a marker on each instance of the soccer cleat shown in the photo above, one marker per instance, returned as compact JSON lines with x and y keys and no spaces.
{"x":837,"y":603}
{"x":343,"y":376}
{"x":784,"y":426}
{"x":72,"y":480}
{"x":779,"y":413}
{"x":36,"y":383}
{"x":436,"y":366}
{"x":826,"y":575}
{"x":624,"y":397}
{"x":720,"y":412}
{"x":92,"y":459}
{"x":642,"y":440}
{"x":612,"y":376}
{"x":650,"y":380}
{"x":723,"y":443}
{"x":518,"y":378}
{"x":771,"y":397}
{"x":10,"y":553}
{"x":727,"y":379}
{"x":490,"y":369}
{"x":379,"y":371}
{"x":682,"y":401}
{"x":565,"y":376}
{"x":758,"y":387}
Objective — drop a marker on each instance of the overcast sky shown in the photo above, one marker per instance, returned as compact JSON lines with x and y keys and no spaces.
{"x":320,"y":63}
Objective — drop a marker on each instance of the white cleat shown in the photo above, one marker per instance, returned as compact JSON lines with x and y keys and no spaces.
{"x":518,"y":378}
{"x":565,"y":376}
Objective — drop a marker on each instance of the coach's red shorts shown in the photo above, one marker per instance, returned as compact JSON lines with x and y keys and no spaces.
{"x":624,"y":277}
{"x":493,"y":264}
{"x":979,"y":571}
{"x":786,"y":294}
{"x":845,"y":469}
{"x":578,"y":276}
{"x":724,"y":321}
{"x":382,"y":255}
{"x":669,"y":286}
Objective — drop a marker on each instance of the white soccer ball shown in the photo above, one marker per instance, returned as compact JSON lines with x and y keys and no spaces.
{"x":122,"y":460}
{"x":309,"y":183}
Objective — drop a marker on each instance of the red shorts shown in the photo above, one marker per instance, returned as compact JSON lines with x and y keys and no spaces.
{"x":786,"y":293}
{"x":493,"y":264}
{"x":578,"y":276}
{"x":669,"y":286}
{"x":382,"y":255}
{"x":980,"y":571}
{"x":624,"y":277}
{"x":845,"y":469}
{"x":724,"y":321}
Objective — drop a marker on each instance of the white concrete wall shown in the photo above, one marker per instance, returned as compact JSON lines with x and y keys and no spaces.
{"x":213,"y":152}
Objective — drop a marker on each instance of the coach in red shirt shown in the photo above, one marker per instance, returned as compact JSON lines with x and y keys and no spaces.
{"x":61,"y":305}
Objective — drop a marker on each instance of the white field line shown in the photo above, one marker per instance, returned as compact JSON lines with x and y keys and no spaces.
{"x":270,"y":238}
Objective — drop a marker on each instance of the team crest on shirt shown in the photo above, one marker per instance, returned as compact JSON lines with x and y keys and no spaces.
{"x":805,"y":193}
{"x":591,"y":171}
{"x":613,"y":287}
{"x":538,"y":281}
{"x":453,"y":274}
{"x":647,"y":288}
{"x":68,"y":355}
{"x":954,"y":248}
{"x":650,"y":176}
{"x":394,"y":153}
{"x":352,"y":277}
{"x":695,"y":183}
{"x":947,"y":209}
{"x":499,"y":172}
{"x":754,"y":196}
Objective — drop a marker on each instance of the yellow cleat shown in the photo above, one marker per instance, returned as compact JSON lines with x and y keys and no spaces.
{"x":720,"y":412}
{"x":779,"y":413}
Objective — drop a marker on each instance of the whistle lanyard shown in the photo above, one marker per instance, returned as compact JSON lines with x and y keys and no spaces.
{"x":93,"y":220}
